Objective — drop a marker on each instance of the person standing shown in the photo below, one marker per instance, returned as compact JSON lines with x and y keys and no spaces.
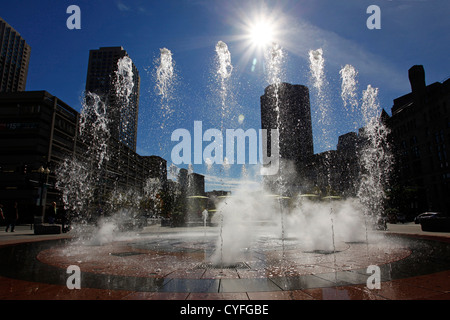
{"x":12,"y":216}
{"x":51,"y":213}
{"x":62,"y":215}
{"x":2,"y":216}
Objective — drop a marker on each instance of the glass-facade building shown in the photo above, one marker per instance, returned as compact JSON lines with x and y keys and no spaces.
{"x":101,"y":80}
{"x":14,"y":59}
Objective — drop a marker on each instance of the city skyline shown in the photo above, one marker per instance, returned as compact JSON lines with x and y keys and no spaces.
{"x":411,"y":33}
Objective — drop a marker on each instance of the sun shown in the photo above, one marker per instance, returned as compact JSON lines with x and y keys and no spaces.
{"x":261,"y":33}
{"x":258,"y":30}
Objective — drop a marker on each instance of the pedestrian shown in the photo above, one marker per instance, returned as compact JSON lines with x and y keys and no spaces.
{"x":63,"y":219}
{"x":2,"y":216}
{"x":51,"y":213}
{"x":11,"y":217}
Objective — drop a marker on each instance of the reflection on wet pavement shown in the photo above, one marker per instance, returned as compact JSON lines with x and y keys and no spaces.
{"x":152,"y":269}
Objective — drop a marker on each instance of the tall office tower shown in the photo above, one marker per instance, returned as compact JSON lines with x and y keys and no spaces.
{"x":102,"y":79}
{"x":286,"y":107}
{"x":14,"y":59}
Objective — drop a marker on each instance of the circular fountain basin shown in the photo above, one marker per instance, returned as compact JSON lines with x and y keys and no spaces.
{"x":180,"y":261}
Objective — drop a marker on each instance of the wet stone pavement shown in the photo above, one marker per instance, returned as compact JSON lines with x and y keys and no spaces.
{"x":171,"y":265}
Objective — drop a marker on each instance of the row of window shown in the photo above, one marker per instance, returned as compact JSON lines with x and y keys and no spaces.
{"x":438,"y":138}
{"x":20,"y":110}
{"x":415,"y":151}
{"x":13,"y":52}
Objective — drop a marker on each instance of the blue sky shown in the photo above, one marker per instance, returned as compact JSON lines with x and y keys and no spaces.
{"x":412,"y":32}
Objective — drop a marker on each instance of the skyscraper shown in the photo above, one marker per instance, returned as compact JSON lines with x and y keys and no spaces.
{"x":293,"y":119}
{"x":102,"y":80}
{"x":14,"y":59}
{"x":286,"y":107}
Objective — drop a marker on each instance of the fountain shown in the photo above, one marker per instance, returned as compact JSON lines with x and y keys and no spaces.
{"x":254,"y":235}
{"x":165,"y":83}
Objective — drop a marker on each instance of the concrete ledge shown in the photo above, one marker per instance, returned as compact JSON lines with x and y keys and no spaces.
{"x":47,"y":229}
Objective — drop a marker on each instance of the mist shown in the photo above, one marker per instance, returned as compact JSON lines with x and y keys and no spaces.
{"x":250,"y":216}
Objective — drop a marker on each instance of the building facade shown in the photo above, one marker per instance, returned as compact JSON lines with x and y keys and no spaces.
{"x":38,"y":130}
{"x":420,"y":134}
{"x":286,"y":107}
{"x":419,"y":140}
{"x":103,"y":79}
{"x":14,"y":59}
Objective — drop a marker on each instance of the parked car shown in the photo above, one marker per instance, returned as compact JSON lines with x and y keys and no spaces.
{"x":436,"y":222}
{"x":423,"y":215}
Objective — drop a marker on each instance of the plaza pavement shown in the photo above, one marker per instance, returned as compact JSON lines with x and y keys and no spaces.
{"x":433,"y":286}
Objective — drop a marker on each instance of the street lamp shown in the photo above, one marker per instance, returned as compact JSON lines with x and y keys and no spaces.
{"x":44,"y":172}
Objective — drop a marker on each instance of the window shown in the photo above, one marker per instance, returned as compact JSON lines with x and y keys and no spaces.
{"x":416,"y":152}
{"x":439,"y":136}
